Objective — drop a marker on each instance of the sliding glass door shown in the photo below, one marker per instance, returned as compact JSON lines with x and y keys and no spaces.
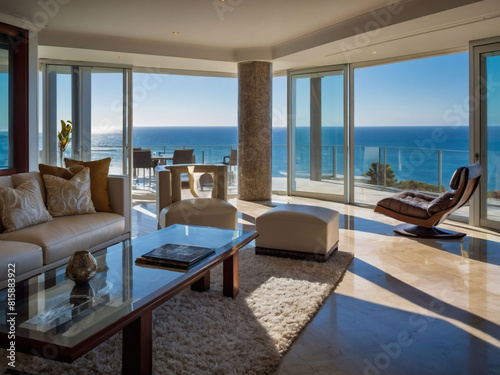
{"x":94,"y":99}
{"x":487,"y":120}
{"x":317,"y":133}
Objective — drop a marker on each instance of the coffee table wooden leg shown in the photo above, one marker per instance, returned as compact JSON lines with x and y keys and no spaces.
{"x":137,"y":351}
{"x":202,"y":284}
{"x":231,"y":276}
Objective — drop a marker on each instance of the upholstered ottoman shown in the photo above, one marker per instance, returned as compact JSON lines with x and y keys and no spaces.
{"x":298,"y":231}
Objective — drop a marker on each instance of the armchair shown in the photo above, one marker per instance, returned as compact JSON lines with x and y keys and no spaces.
{"x":426,"y":212}
{"x":172,"y":209}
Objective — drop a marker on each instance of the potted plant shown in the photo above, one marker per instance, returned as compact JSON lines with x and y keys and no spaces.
{"x":64,"y":137}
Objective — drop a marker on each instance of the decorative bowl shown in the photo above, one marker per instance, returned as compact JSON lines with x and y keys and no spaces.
{"x":81,"y":267}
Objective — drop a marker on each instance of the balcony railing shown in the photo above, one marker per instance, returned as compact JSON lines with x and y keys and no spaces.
{"x":430,"y":166}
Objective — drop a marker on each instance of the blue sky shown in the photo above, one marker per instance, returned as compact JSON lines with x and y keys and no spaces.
{"x":430,"y":91}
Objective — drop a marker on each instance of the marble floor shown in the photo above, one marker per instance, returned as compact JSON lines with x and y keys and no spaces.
{"x":404,"y":306}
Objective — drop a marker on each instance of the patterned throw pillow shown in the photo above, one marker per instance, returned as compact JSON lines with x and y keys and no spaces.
{"x":69,"y":197}
{"x":99,"y":170}
{"x":22,"y":207}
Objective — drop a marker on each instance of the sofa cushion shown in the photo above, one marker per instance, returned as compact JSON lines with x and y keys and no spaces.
{"x":69,"y":197}
{"x":66,"y":173}
{"x":22,"y":207}
{"x":99,"y":170}
{"x":20,"y":178}
{"x":64,"y":235}
{"x":5,"y":181}
{"x":26,"y":257}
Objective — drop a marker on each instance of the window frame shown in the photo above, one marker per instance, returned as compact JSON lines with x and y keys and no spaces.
{"x":19,"y":122}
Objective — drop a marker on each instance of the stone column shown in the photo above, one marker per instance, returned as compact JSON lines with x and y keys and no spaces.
{"x":254,"y":130}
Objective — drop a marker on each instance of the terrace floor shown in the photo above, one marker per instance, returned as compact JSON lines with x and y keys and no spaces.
{"x":404,"y":306}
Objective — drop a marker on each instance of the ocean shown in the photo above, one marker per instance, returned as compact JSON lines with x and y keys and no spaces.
{"x":411,"y":151}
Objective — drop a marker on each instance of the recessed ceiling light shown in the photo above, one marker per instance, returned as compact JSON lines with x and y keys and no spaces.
{"x":175,"y":32}
{"x":374,"y":52}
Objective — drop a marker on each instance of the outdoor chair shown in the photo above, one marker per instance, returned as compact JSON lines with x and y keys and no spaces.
{"x":423,"y":212}
{"x":231,"y":160}
{"x":183,"y":157}
{"x":142,"y":159}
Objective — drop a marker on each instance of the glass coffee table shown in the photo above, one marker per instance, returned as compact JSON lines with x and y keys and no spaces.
{"x":56,"y":319}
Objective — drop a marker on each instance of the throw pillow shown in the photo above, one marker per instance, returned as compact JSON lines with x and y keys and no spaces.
{"x":69,"y":197}
{"x":99,"y":170}
{"x":66,"y":173}
{"x":22,"y":207}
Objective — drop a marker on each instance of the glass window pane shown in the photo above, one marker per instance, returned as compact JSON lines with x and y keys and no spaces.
{"x":107,"y":117}
{"x":279,"y":140}
{"x":411,"y":120}
{"x":318,"y":126}
{"x":192,"y":112}
{"x":60,"y":108}
{"x":491,"y":134}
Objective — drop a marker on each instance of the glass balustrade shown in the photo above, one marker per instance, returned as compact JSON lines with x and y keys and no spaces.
{"x":405,"y":168}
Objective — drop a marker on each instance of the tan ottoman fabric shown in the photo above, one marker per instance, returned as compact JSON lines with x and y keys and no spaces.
{"x":209,"y":212}
{"x":298,"y":231}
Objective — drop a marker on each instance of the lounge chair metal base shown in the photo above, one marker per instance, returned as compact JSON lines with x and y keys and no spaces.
{"x":423,"y":232}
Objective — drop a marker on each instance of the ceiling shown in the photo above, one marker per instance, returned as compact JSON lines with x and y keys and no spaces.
{"x":214,"y":35}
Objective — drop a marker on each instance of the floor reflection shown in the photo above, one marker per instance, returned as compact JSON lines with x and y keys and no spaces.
{"x":360,"y":224}
{"x":422,"y":299}
{"x":395,"y":341}
{"x":469,"y":247}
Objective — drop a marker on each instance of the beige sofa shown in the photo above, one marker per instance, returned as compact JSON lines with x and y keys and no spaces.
{"x":47,"y":245}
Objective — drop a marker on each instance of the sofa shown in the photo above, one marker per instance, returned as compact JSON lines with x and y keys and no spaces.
{"x":37,"y":248}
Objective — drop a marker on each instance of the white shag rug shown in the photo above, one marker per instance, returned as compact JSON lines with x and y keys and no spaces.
{"x":207,"y":333}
